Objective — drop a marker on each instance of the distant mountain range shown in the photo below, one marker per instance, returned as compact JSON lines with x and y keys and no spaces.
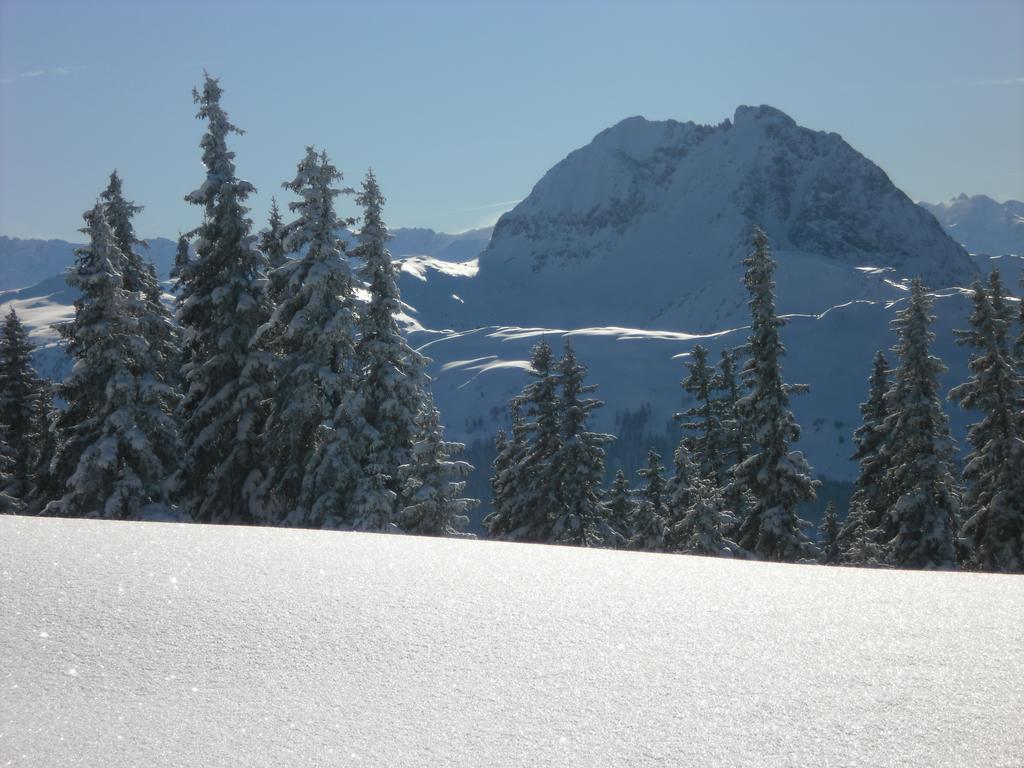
{"x":631,"y":248}
{"x":981,"y":224}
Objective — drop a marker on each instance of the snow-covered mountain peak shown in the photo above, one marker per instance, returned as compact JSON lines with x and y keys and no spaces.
{"x":658,"y":207}
{"x":982,"y":224}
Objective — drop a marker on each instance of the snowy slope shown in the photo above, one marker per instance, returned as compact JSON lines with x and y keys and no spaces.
{"x":130,"y":644}
{"x":981,"y":224}
{"x":476,"y":371}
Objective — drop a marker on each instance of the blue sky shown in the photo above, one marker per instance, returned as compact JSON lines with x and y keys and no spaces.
{"x":461,"y":107}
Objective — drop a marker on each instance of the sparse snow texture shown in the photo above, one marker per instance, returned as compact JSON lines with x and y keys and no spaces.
{"x":127,"y":644}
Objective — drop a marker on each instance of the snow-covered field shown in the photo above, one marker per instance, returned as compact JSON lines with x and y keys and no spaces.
{"x":135,"y":644}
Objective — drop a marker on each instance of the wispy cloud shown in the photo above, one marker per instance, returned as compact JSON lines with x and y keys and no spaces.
{"x":51,"y":72}
{"x":1007,"y":81}
{"x":506,"y":204}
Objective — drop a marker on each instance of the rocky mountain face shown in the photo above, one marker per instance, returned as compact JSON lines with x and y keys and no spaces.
{"x":651,"y":212}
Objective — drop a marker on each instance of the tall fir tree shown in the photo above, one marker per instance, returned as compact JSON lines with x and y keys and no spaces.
{"x":681,"y":496}
{"x":778,"y":478}
{"x":434,"y":481}
{"x":919,"y":475}
{"x":509,"y":514}
{"x":221,"y":304}
{"x":391,"y":393}
{"x":621,"y":507}
{"x":703,"y":419}
{"x":138,"y":275}
{"x":651,"y":516}
{"x":526,"y":511}
{"x":993,"y":505}
{"x":312,"y":334}
{"x":736,"y":441}
{"x":580,"y":515}
{"x":871,"y":497}
{"x":117,"y":441}
{"x":23,"y":399}
{"x":727,"y":383}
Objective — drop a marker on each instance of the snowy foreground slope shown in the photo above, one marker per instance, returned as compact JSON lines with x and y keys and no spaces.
{"x":125,"y":644}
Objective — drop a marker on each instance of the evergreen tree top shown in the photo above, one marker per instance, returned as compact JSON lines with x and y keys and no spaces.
{"x":120,"y":213}
{"x":699,"y":382}
{"x":317,"y":222}
{"x":15,"y":335}
{"x":217,"y":158}
{"x":759,"y":280}
{"x":573,"y":373}
{"x":654,"y":490}
{"x":98,"y":263}
{"x":372,"y":201}
{"x":274,"y":219}
{"x":272,"y":239}
{"x":916,"y":377}
{"x":378,"y":269}
{"x":874,"y":409}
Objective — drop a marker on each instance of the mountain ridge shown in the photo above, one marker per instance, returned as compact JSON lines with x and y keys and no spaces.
{"x":678,"y":200}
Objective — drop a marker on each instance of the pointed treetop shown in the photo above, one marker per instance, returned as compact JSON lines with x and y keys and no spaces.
{"x":218,"y":159}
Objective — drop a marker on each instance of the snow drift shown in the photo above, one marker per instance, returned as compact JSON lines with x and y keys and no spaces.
{"x":126,"y":644}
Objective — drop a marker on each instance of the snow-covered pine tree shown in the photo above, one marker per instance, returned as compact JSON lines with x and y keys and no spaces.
{"x":621,"y":506}
{"x":828,"y":536}
{"x":391,"y":381}
{"x":778,"y":478}
{"x":510,"y":516}
{"x":680,"y":497}
{"x":221,"y":304}
{"x":312,"y":334}
{"x":434,"y":481}
{"x":650,"y":519}
{"x":705,"y":520}
{"x":23,"y":397}
{"x":736,"y":441}
{"x":919,"y":475}
{"x":858,"y":544}
{"x":733,"y":426}
{"x":529,"y":515}
{"x":181,"y":257}
{"x":993,"y":505}
{"x":117,"y":440}
{"x":272,"y":239}
{"x":577,"y":466}
{"x":703,"y":419}
{"x":139,"y":276}
{"x":871,"y":496}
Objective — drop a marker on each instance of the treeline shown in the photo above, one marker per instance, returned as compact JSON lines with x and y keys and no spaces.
{"x":281,"y":391}
{"x":276,"y":396}
{"x":735,"y":484}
